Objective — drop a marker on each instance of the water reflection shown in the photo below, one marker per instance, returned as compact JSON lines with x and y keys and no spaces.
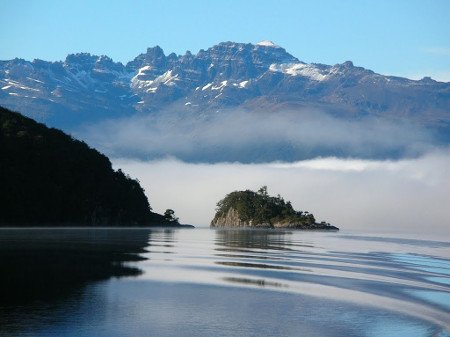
{"x":233,"y":240}
{"x":291,"y":262}
{"x":259,"y":282}
{"x":220,"y":283}
{"x":254,"y":265}
{"x":44,"y":272}
{"x":164,"y":237}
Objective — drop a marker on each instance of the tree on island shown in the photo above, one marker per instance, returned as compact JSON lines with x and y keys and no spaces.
{"x":169,"y":215}
{"x":263,"y":191}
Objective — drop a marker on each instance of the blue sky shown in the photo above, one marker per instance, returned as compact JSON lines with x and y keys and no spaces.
{"x":403,"y":37}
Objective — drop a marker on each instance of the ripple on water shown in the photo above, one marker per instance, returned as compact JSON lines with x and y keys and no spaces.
{"x":238,"y":283}
{"x":380,"y":275}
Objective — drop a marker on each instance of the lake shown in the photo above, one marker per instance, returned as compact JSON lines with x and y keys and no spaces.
{"x":202,"y":282}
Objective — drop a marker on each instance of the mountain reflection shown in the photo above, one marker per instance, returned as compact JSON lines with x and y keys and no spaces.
{"x":46,"y":270}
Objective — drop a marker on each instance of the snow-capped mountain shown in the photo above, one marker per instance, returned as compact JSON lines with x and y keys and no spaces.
{"x":86,"y":88}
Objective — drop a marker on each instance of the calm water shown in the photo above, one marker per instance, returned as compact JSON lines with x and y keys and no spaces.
{"x":201,"y":282}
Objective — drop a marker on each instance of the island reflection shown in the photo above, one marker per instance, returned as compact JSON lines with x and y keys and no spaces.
{"x":236,"y":240}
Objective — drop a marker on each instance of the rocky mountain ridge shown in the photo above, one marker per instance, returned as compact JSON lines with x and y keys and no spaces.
{"x":87,"y":88}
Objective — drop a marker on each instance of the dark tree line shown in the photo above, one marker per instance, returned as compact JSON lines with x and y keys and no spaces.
{"x":50,"y":178}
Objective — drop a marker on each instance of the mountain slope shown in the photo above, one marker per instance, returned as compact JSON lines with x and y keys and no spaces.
{"x":48,"y":178}
{"x":86,"y":88}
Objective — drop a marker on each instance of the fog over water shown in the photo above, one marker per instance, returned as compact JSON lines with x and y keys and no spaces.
{"x":407,"y":195}
{"x":358,"y":173}
{"x":256,"y":136}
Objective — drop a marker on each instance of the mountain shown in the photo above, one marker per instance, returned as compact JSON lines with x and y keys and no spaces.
{"x":83,"y":88}
{"x":261,"y":78}
{"x":260,"y":210}
{"x":47,"y":178}
{"x":86,"y":88}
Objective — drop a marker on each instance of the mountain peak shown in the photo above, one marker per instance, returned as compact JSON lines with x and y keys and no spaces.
{"x":81,"y":58}
{"x":153,"y":57}
{"x":156,"y":50}
{"x":348,"y":64}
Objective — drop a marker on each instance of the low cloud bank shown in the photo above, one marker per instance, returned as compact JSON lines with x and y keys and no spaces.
{"x":255,"y":137}
{"x":408,"y":195}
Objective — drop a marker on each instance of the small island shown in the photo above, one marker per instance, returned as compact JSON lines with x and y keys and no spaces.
{"x":260,"y":210}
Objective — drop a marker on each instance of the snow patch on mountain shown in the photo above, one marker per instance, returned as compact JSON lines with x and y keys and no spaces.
{"x":35,"y":80}
{"x":168,"y":78}
{"x":243,"y":84}
{"x":301,"y":69}
{"x":17,"y":85}
{"x":206,"y":86}
{"x":267,"y":43}
{"x":222,"y":85}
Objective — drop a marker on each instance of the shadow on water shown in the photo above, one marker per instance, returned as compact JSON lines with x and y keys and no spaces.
{"x":48,"y":270}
